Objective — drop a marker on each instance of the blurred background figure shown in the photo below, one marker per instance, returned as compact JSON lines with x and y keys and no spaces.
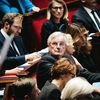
{"x":78,"y":88}
{"x":22,"y":89}
{"x":17,"y":6}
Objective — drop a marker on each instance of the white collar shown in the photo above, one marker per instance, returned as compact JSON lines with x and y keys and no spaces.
{"x":4,"y":34}
{"x":87,"y":9}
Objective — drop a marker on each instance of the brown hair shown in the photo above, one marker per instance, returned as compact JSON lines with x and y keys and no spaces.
{"x":65,"y":15}
{"x":20,"y":88}
{"x":63,"y":66}
{"x":77,"y":29}
{"x":9,"y":17}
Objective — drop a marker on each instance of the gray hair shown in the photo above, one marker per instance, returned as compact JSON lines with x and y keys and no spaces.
{"x":75,"y":87}
{"x":67,"y":37}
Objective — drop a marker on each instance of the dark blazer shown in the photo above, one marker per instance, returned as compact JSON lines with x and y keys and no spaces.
{"x":12,"y":60}
{"x":49,"y":27}
{"x":43,"y":70}
{"x":86,"y":60}
{"x":82,"y":16}
{"x":50,"y":92}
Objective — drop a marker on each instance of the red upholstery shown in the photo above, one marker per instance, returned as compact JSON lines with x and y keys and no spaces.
{"x":41,"y":4}
{"x":36,"y":25}
{"x":70,"y":13}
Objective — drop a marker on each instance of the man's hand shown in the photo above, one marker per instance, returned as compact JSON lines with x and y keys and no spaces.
{"x":31,"y":58}
{"x":13,"y":71}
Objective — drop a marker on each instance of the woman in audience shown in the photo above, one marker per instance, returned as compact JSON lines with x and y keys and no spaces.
{"x":61,"y":72}
{"x":23,"y":89}
{"x":82,"y":46}
{"x":57,"y":14}
{"x":78,"y":88}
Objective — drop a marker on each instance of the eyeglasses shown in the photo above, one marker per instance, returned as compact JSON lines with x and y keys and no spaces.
{"x":57,"y":44}
{"x":56,"y":8}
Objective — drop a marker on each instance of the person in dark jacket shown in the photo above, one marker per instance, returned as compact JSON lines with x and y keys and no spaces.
{"x":57,"y":14}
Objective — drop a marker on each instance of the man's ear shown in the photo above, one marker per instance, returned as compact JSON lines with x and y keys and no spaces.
{"x":6,"y":25}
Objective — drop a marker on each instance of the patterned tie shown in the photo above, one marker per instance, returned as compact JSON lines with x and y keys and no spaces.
{"x":97,"y":21}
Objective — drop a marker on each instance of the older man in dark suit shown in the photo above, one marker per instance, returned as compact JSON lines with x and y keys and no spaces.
{"x":59,"y":45}
{"x":89,"y":16}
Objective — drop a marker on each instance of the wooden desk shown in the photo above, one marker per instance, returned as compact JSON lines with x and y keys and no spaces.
{"x":6,"y":79}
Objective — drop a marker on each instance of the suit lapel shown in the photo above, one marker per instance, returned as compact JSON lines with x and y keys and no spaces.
{"x":2,"y":39}
{"x":88,"y":18}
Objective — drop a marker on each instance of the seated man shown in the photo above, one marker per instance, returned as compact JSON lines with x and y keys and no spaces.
{"x":17,"y":54}
{"x":59,"y":45}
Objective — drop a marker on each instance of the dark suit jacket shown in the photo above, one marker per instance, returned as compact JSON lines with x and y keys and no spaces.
{"x":49,"y":27}
{"x":12,"y":60}
{"x":50,"y":92}
{"x":43,"y":70}
{"x":82,"y":16}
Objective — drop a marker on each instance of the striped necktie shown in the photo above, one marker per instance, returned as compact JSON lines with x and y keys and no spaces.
{"x":97,"y":21}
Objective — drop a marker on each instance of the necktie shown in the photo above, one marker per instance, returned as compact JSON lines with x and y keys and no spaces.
{"x":97,"y":21}
{"x":14,"y":48}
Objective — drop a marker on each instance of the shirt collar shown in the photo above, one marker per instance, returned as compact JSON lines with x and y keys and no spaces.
{"x":87,"y":9}
{"x":4,"y":34}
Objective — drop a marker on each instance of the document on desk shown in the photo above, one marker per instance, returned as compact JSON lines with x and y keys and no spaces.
{"x":26,"y":65}
{"x":5,"y":48}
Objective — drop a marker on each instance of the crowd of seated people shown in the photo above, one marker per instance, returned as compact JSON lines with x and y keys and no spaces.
{"x":91,"y":21}
{"x":57,"y":54}
{"x":58,"y":45}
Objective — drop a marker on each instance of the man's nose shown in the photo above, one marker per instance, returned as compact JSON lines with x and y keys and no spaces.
{"x":19,"y":31}
{"x":58,"y":45}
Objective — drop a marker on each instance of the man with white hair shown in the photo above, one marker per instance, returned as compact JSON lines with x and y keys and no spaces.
{"x":60,"y":45}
